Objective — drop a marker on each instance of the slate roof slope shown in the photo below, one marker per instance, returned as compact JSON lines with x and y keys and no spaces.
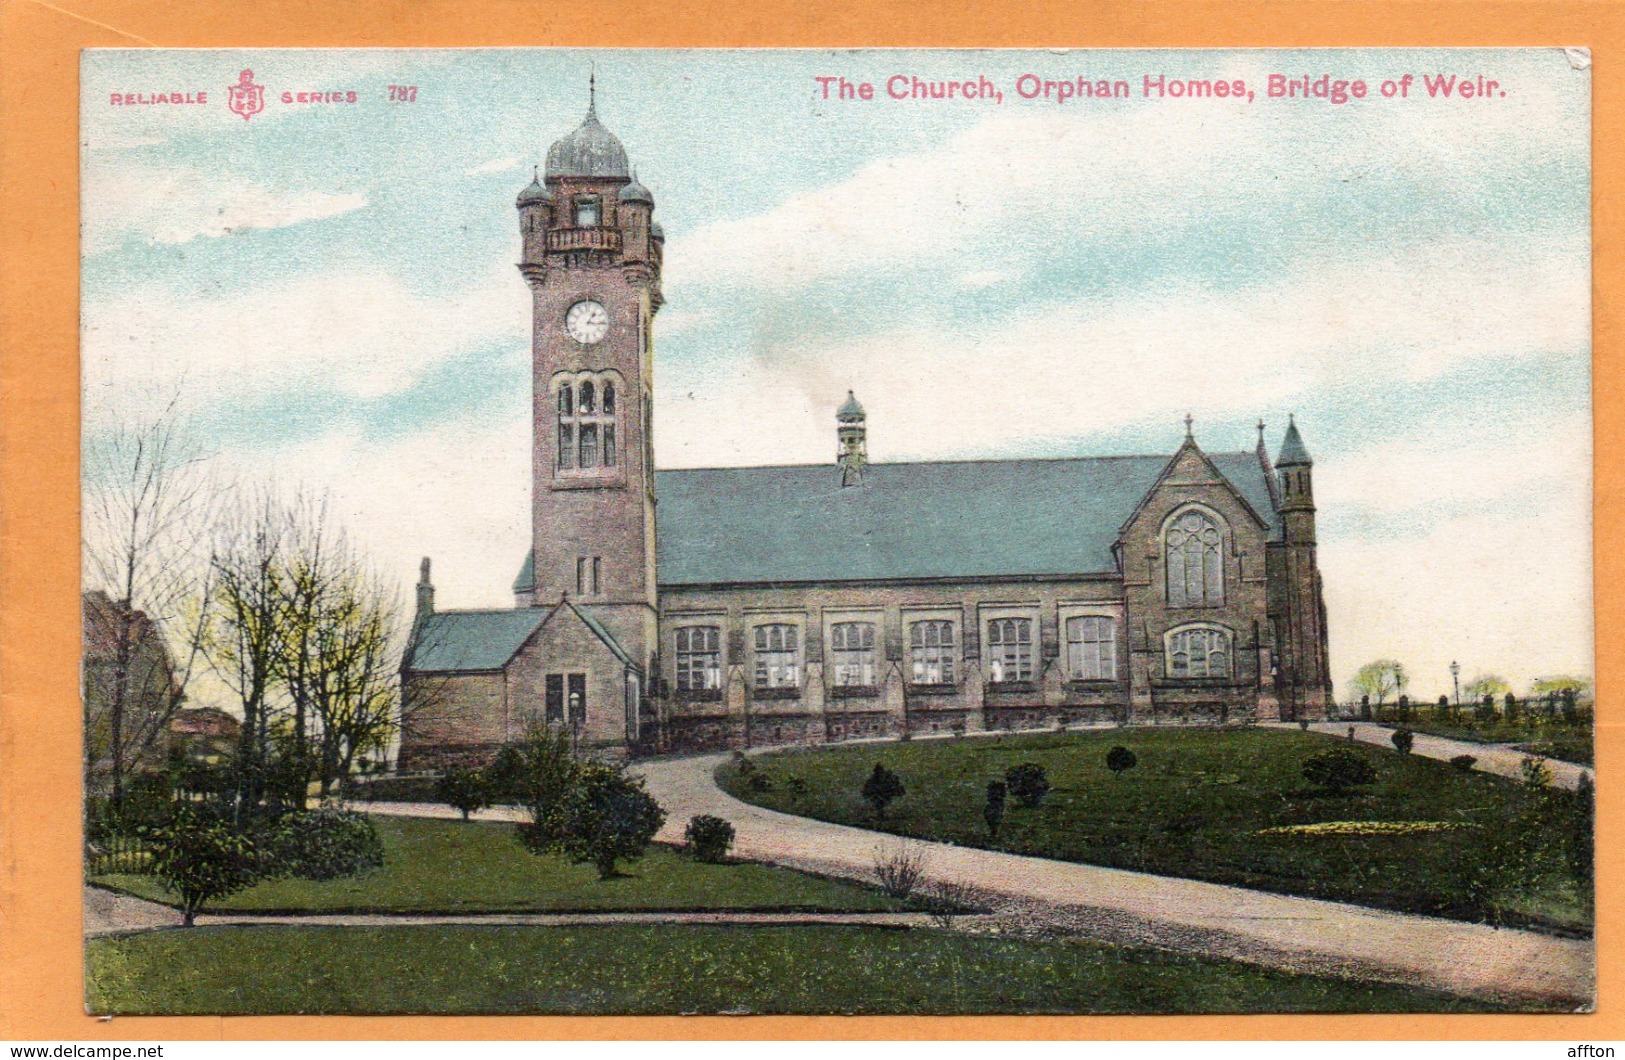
{"x":461,"y":641}
{"x":941,"y":519}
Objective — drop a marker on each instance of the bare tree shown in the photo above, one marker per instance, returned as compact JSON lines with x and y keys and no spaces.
{"x":147,"y":495}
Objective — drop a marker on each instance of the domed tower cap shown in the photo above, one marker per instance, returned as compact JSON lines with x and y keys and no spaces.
{"x":591,"y":151}
{"x":1293,"y":452}
{"x":535,"y":191}
{"x":851,"y":411}
{"x":658,"y":233}
{"x":635,"y":192}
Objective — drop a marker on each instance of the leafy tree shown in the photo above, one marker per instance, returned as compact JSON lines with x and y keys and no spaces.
{"x":1493,"y":685}
{"x":882,"y":787}
{"x":1380,"y":679}
{"x":465,"y":790}
{"x":1028,"y":783}
{"x":607,"y":818}
{"x":709,"y":838}
{"x":1120,"y":760}
{"x":993,"y":812}
{"x":1338,"y":769}
{"x":1560,"y":683}
{"x":545,"y":773}
{"x":1403,"y":739}
{"x":201,"y":860}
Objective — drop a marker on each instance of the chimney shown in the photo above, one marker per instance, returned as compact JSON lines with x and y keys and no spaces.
{"x":425,"y":594}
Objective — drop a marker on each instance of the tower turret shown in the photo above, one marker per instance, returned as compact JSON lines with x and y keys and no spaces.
{"x":1294,"y":472}
{"x":1297,"y":608}
{"x":851,"y":433}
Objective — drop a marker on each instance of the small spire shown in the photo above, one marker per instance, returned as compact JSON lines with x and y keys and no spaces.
{"x":592,"y":91}
{"x":536,"y":174}
{"x":1188,"y":421}
{"x":1260,"y":430}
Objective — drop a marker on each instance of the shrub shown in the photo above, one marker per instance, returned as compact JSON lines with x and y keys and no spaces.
{"x":743,"y":763}
{"x":465,"y":790}
{"x":320,"y":844}
{"x":945,"y":900}
{"x":1402,"y":739}
{"x":899,"y":868}
{"x":1028,"y":783}
{"x":1337,"y":770}
{"x":797,"y":788}
{"x":709,"y":838}
{"x":605,"y":817}
{"x":1536,"y":773}
{"x":201,"y":860}
{"x":993,"y":812}
{"x":758,"y":782}
{"x":882,"y":788}
{"x":1120,"y":760}
{"x":1465,"y":763}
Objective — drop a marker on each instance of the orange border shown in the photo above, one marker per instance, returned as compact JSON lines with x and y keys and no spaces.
{"x":40,"y":984}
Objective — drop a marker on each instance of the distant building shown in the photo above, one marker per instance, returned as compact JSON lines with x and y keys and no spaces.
{"x":124,"y":647}
{"x":827,"y":602}
{"x":205,"y":734}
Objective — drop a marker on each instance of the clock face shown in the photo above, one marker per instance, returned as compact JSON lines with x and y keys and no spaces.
{"x":587,"y":322}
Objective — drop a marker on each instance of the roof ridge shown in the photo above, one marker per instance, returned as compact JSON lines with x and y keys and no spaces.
{"x":970,"y":460}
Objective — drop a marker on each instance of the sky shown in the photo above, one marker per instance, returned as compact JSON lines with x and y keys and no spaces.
{"x":330,"y":290}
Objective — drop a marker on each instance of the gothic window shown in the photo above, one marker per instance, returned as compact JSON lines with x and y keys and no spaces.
{"x":587,"y":213}
{"x":589,"y":572}
{"x":587,"y":413}
{"x":1195,"y":560}
{"x":1010,"y":649}
{"x":931,"y":645}
{"x":699,"y":659}
{"x":778,"y":656}
{"x":852,"y":653}
{"x":1091,"y":648}
{"x":1199,"y":651}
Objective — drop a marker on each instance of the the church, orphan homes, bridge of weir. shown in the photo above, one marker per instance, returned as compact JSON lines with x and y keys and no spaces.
{"x":730,"y":607}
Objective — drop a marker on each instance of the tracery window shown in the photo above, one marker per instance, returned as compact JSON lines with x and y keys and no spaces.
{"x":932,"y":646}
{"x":1091,"y":648}
{"x":1200,"y":651}
{"x":778,"y":656}
{"x":587,"y":415}
{"x":1194,"y":551}
{"x":1010,"y":649}
{"x":852,"y":654}
{"x":699,"y":658}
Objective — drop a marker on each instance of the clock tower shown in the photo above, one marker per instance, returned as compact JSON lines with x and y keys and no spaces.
{"x":591,"y":255}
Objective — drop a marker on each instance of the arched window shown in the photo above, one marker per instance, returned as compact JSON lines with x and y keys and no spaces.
{"x":699,"y":658}
{"x":1091,"y":648}
{"x":778,"y":656}
{"x":586,"y":213}
{"x":1200,"y":651}
{"x":587,"y":414}
{"x":1194,"y":551}
{"x":931,"y":645}
{"x":1010,"y":649}
{"x":852,"y":654}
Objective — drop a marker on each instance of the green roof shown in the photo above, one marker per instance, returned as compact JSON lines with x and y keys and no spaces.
{"x":604,"y":635}
{"x":472,"y":640}
{"x":954,"y":519}
{"x":1293,"y":452}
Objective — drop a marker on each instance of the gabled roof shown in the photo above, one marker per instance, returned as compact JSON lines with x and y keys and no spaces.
{"x":459,"y":641}
{"x":952,"y":519}
{"x":485,"y":641}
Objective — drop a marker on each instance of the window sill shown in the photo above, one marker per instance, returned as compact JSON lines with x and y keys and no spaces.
{"x":933,"y":690}
{"x":997,"y":687}
{"x":1092,"y":685}
{"x":589,"y":480}
{"x":854,"y":692}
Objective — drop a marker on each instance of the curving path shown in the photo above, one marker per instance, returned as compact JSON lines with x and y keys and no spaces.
{"x":1300,"y":934}
{"x":1501,"y":759}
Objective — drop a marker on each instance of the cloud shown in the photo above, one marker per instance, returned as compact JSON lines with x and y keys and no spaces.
{"x":365,"y":334}
{"x":496,"y":165}
{"x":177,"y":205}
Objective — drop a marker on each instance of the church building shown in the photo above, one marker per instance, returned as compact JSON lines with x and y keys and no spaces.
{"x":681,"y":610}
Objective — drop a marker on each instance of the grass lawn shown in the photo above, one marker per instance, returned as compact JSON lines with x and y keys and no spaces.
{"x":627,"y":969}
{"x":1199,"y":804}
{"x":1537,"y":736}
{"x":434,"y":866}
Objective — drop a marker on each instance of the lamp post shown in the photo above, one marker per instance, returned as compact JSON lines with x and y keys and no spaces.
{"x":1455,"y":679}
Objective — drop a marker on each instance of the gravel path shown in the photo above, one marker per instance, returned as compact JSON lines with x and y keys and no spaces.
{"x":1498,"y":758}
{"x":1300,"y":934}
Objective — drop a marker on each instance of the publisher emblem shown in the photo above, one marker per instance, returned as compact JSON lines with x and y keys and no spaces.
{"x":245,"y":97}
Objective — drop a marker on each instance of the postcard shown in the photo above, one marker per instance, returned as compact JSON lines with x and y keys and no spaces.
{"x":1063,"y":531}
